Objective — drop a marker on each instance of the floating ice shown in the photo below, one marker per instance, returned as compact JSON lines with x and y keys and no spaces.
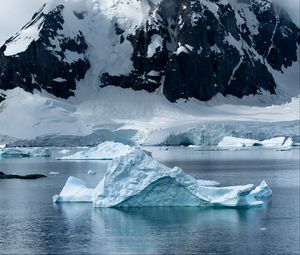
{"x":235,"y":142}
{"x":137,"y":180}
{"x":91,"y":172}
{"x":104,"y":151}
{"x":53,"y":173}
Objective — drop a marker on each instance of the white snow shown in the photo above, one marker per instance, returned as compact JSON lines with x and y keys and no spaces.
{"x":156,"y":42}
{"x":104,"y":151}
{"x":137,"y":180}
{"x":181,"y":49}
{"x":59,"y":79}
{"x":20,"y":41}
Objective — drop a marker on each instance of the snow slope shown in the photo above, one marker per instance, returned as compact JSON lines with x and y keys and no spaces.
{"x":137,"y":180}
{"x":152,"y":117}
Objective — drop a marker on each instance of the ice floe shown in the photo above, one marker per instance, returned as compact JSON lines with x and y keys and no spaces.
{"x":103,"y":151}
{"x":137,"y":180}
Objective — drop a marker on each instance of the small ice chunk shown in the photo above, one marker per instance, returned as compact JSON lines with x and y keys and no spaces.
{"x":91,"y":172}
{"x":53,"y":173}
{"x":262,"y":191}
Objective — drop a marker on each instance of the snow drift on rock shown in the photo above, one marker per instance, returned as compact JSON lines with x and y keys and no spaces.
{"x":137,"y":180}
{"x":104,"y":151}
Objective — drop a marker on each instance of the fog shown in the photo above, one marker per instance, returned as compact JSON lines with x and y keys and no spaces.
{"x":292,"y":7}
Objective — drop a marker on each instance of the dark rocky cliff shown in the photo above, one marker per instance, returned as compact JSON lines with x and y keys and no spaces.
{"x":185,"y":49}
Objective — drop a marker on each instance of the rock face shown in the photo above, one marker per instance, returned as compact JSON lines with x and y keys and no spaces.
{"x":181,"y":48}
{"x":23,"y":177}
{"x":44,"y":64}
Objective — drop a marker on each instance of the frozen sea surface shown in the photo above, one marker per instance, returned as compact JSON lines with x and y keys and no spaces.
{"x":32,"y":224}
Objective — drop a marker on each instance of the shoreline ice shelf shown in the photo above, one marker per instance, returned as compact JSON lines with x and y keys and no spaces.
{"x":137,"y":180}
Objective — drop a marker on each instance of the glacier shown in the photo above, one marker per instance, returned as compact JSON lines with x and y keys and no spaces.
{"x":18,"y":152}
{"x":103,"y":151}
{"x":137,"y":180}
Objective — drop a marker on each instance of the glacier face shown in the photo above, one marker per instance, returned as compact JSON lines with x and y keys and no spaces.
{"x":180,"y":48}
{"x":137,"y":180}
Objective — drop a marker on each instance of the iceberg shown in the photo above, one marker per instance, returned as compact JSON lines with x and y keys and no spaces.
{"x":137,"y":180}
{"x":235,"y":142}
{"x":104,"y":151}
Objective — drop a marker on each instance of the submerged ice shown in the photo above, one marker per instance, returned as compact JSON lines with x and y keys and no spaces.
{"x":137,"y":180}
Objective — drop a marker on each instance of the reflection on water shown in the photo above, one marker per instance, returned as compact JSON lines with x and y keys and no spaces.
{"x":32,"y":224}
{"x":157,"y":230}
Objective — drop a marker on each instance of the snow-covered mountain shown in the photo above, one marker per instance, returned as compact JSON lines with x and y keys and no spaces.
{"x":80,"y":73}
{"x":180,"y":48}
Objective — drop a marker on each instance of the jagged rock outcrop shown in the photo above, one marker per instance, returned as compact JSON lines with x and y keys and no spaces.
{"x":181,"y":48}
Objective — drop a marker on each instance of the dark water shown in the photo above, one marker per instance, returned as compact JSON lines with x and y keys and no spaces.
{"x":31,"y":224}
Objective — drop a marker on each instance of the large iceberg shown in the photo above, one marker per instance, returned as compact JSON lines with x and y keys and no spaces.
{"x":137,"y":180}
{"x":104,"y":151}
{"x":235,"y":142}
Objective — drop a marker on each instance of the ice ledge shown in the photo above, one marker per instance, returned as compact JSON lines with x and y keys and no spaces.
{"x":137,"y":180}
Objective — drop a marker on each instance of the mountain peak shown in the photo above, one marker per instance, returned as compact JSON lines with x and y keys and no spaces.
{"x":182,"y":48}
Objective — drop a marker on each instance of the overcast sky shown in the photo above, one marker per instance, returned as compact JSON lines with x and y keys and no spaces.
{"x":16,"y":13}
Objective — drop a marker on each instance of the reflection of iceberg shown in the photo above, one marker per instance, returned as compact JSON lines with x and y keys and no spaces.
{"x":104,"y":151}
{"x":235,"y":142}
{"x":19,"y":152}
{"x":137,"y":180}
